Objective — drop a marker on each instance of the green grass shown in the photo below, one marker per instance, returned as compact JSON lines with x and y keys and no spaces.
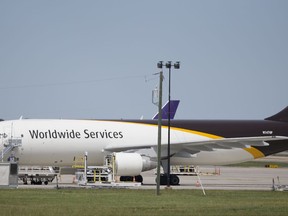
{"x":140,"y":202}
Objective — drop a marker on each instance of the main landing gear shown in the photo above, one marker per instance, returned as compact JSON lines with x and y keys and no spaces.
{"x":174,"y":179}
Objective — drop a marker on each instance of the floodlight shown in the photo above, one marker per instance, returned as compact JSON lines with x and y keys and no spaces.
{"x":160,"y":64}
{"x":177,"y":65}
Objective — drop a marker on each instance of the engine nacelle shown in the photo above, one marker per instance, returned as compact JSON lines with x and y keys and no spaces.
{"x":132,"y":164}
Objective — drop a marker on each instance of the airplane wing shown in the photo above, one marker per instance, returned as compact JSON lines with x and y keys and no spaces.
{"x":229,"y":143}
{"x":206,"y":145}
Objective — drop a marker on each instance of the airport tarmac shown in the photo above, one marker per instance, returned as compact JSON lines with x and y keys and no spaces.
{"x":231,"y":178}
{"x":220,"y":177}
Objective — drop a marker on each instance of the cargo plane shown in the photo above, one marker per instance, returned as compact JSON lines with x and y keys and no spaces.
{"x":56,"y":142}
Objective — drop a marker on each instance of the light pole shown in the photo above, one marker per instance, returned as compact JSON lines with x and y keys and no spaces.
{"x":169,"y":65}
{"x":159,"y":104}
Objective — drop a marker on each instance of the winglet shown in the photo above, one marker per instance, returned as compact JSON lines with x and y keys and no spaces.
{"x":282,"y":116}
{"x":173,"y":108}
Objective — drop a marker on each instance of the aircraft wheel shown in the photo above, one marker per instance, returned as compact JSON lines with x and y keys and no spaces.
{"x":46,"y":182}
{"x":174,"y":179}
{"x":126,"y":178}
{"x":25,"y":181}
{"x":139,"y":178}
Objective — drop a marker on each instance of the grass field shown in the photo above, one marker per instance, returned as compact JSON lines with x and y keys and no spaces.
{"x":140,"y":202}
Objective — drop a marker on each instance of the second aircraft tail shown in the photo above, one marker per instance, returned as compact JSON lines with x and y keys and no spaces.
{"x":165,"y":109}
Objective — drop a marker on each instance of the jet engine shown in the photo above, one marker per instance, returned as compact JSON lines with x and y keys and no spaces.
{"x":132,"y":164}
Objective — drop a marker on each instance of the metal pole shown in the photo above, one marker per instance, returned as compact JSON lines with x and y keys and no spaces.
{"x":169,"y":117}
{"x":85,"y":167}
{"x":159,"y":132}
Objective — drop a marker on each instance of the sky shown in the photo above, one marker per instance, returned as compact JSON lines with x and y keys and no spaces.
{"x":98,"y":59}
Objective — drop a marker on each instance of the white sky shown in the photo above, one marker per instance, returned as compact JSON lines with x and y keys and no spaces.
{"x":95,"y":59}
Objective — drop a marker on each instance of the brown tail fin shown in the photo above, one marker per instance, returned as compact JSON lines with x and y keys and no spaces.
{"x":282,"y":116}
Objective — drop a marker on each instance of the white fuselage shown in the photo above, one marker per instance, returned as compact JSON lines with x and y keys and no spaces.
{"x":59,"y":142}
